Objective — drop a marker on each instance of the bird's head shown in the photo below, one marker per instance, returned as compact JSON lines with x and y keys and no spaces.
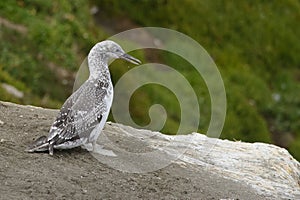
{"x":112,"y":50}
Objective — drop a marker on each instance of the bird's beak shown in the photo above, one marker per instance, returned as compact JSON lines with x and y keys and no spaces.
{"x":131,"y":59}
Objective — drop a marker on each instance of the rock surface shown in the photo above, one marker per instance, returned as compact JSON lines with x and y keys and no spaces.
{"x":147,"y":165}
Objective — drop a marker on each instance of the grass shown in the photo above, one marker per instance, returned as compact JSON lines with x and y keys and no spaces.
{"x":57,"y":34}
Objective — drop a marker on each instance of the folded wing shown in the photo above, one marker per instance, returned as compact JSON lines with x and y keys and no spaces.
{"x":81,"y":112}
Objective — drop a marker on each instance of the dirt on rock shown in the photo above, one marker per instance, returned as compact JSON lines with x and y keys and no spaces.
{"x":76,"y":174}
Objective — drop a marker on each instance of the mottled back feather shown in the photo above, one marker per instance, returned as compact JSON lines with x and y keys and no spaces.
{"x":81,"y":112}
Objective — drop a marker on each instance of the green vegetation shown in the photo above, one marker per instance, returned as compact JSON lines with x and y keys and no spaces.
{"x":52,"y":35}
{"x":255,"y":44}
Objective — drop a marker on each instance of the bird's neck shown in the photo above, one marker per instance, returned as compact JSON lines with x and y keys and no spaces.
{"x":98,"y":67}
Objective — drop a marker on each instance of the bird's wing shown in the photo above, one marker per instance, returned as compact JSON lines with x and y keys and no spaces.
{"x":81,"y":112}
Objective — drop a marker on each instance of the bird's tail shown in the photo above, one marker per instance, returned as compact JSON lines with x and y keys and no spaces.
{"x":40,"y":144}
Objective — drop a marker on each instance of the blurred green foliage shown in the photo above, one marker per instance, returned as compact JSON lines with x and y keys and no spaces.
{"x":255,"y":44}
{"x":53,"y":35}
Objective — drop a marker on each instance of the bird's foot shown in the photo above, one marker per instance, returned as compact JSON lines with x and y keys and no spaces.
{"x":88,"y":146}
{"x":96,"y":148}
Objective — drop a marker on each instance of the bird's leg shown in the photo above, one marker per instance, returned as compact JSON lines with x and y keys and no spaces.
{"x":94,"y":145}
{"x":87,"y":146}
{"x":51,"y":149}
{"x":100,"y":150}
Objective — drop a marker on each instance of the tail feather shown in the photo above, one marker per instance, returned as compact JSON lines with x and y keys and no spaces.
{"x":40,"y":144}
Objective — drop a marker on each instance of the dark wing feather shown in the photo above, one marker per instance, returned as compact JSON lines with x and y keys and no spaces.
{"x":80,"y":113}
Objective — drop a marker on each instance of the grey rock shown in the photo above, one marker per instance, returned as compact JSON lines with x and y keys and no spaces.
{"x":148,"y":165}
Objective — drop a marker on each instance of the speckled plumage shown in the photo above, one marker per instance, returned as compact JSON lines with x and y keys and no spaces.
{"x":83,"y":115}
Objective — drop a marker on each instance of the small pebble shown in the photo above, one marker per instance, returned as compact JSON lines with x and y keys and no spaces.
{"x":1,"y":122}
